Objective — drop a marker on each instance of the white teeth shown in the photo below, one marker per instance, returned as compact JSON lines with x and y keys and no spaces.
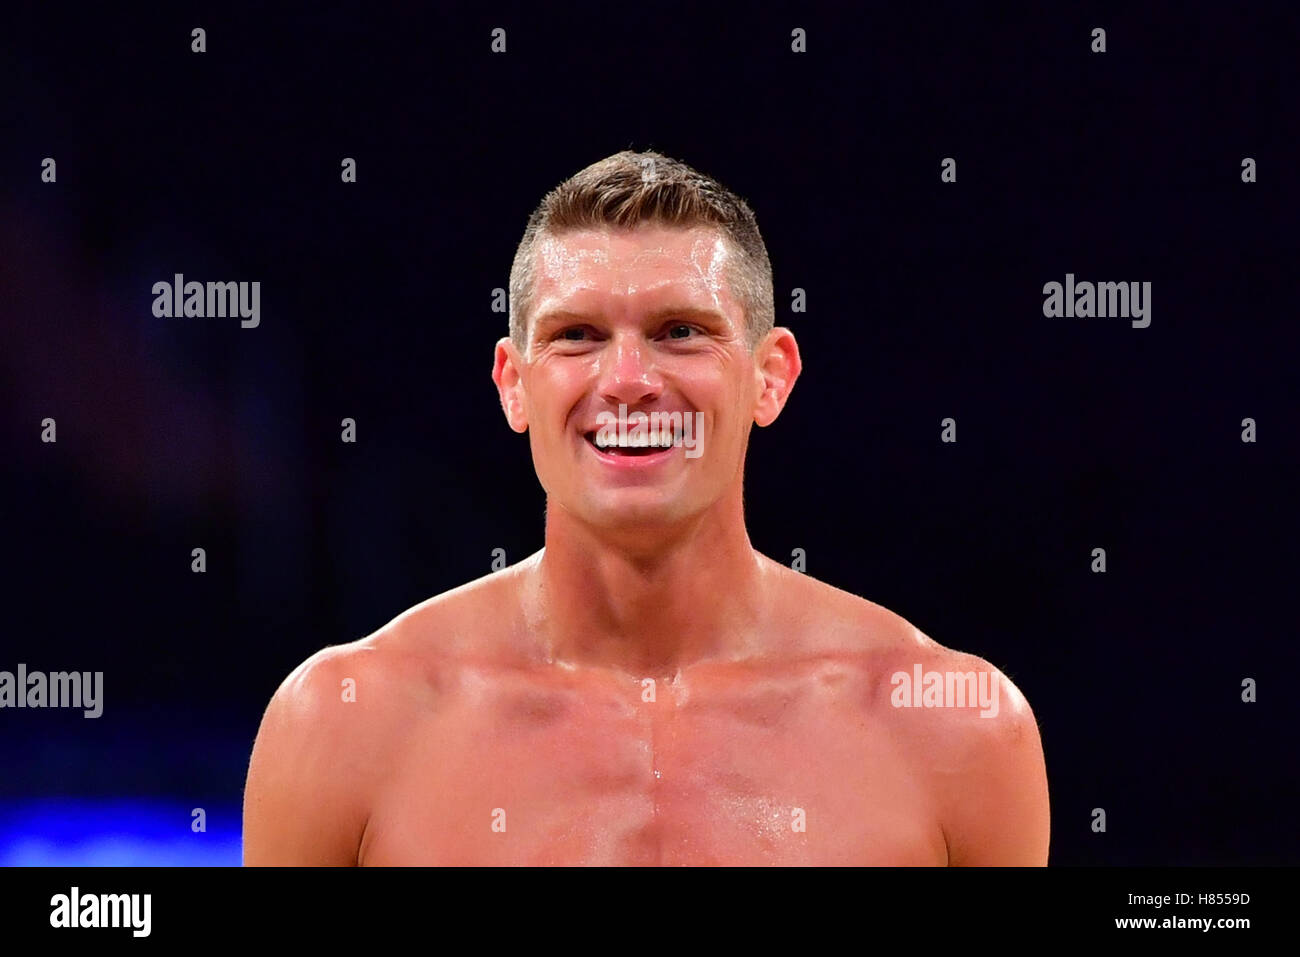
{"x":656,"y":440}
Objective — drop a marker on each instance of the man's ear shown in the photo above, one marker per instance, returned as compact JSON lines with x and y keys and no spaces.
{"x":505,"y":373}
{"x":777,"y":365}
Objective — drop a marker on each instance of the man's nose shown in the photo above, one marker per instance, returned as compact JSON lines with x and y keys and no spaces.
{"x":627,"y":371}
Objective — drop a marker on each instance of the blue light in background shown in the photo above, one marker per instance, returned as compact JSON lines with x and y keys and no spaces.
{"x":108,"y":833}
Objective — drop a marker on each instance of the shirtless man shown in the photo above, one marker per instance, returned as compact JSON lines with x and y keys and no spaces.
{"x":647,"y":688}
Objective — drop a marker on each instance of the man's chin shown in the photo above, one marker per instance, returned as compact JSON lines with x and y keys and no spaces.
{"x":628,"y":510}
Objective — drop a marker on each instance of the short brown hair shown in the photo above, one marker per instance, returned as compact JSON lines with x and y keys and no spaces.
{"x":628,"y":189}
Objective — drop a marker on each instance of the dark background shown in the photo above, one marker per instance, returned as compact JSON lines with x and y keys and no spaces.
{"x":924,"y":301}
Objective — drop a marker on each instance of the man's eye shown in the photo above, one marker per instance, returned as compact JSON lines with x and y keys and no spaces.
{"x":575,"y":334}
{"x":680,"y":331}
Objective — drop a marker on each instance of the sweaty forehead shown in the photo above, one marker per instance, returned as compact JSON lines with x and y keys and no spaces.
{"x":631,"y":261}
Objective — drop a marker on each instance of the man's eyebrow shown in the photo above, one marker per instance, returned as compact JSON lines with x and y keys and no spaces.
{"x":698,"y":313}
{"x":560,"y":315}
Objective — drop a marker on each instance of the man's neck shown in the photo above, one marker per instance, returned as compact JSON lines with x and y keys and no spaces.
{"x":650,"y":612}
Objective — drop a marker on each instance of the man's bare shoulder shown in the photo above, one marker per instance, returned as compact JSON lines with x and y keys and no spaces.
{"x":969,"y":730}
{"x":473,"y":620}
{"x":405,"y":661}
{"x":326,"y":737}
{"x":971,"y":735}
{"x":983,"y":757}
{"x":839,"y":624}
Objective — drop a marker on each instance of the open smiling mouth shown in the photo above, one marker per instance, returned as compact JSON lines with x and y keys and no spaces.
{"x":655,"y":444}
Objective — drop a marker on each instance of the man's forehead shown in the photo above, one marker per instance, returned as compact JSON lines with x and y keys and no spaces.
{"x":630,"y":261}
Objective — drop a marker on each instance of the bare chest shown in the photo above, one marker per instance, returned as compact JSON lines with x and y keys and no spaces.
{"x":793,"y":770}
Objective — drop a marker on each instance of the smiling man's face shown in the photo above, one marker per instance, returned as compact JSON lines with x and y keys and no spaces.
{"x":645,"y":318}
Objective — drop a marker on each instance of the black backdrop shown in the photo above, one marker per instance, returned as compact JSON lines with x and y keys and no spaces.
{"x":924,"y":300}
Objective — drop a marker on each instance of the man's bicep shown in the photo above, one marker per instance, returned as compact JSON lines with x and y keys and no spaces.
{"x":301,"y":803}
